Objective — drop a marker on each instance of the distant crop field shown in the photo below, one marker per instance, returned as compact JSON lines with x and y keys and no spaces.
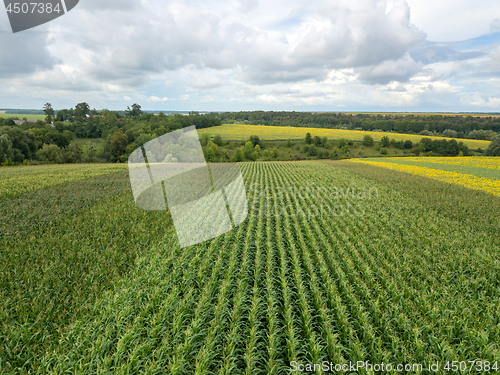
{"x":242,"y":132}
{"x":426,"y":114}
{"x":480,"y":173}
{"x":21,"y":116}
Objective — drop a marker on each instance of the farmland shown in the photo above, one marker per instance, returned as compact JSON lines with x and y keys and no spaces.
{"x":21,"y":116}
{"x":337,"y":261}
{"x":480,"y":173}
{"x":64,"y":243}
{"x":449,"y":114}
{"x":19,"y":180}
{"x":243,"y":132}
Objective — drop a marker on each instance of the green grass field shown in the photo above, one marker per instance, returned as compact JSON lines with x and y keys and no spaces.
{"x":16,"y":181}
{"x":243,"y":132}
{"x":21,"y":116}
{"x":337,"y":261}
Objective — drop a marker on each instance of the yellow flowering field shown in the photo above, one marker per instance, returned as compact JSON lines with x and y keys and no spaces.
{"x":15,"y":181}
{"x":475,"y":161}
{"x":242,"y":132}
{"x":443,"y":170}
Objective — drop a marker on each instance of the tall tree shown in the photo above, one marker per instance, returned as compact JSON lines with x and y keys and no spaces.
{"x":118,"y":144}
{"x":49,"y":112}
{"x":385,"y":141}
{"x":82,"y":110}
{"x":308,"y":138}
{"x":135,"y":111}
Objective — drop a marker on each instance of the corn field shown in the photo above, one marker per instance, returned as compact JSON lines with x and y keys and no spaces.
{"x":330,"y":265}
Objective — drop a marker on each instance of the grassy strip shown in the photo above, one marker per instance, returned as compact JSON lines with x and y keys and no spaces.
{"x":21,"y":217}
{"x":16,"y":181}
{"x":51,"y":273}
{"x":21,"y":116}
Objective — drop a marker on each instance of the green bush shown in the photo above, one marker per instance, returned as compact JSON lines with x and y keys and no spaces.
{"x":408,"y":144}
{"x":73,"y":153}
{"x":385,"y":142}
{"x":218,"y":140}
{"x":368,"y":141}
{"x":205,"y":138}
{"x":342,"y":142}
{"x":308,"y":138}
{"x":6,"y":151}
{"x":312,"y":151}
{"x":255,"y":140}
{"x":238,"y":156}
{"x":51,"y":153}
{"x":493,"y":148}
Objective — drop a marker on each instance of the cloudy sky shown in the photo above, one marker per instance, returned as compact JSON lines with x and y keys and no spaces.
{"x":214,"y":55}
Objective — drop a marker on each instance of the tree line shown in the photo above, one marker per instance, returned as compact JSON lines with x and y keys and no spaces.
{"x":121,"y":132}
{"x":470,"y":127}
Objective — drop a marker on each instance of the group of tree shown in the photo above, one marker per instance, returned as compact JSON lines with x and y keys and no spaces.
{"x":134,"y":132}
{"x":454,"y":126}
{"x":317,"y":141}
{"x":122,"y":132}
{"x":493,"y":148}
{"x":442,"y":147}
{"x":18,"y":146}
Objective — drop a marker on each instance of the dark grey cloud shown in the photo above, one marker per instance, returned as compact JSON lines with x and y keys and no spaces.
{"x":241,"y":50}
{"x":351,"y":34}
{"x":147,"y":39}
{"x":23,"y":53}
{"x":400,"y":70}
